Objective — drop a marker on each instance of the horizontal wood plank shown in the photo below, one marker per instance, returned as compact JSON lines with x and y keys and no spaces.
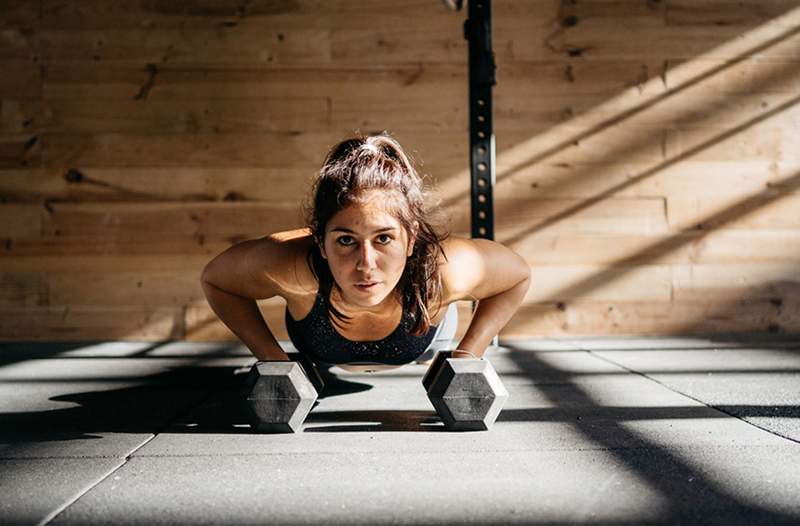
{"x":24,"y":84}
{"x":176,"y":81}
{"x":123,"y":288}
{"x":772,"y":209}
{"x":20,"y":44}
{"x":19,"y":221}
{"x":110,"y":263}
{"x":194,"y":14}
{"x":20,"y":115}
{"x":599,"y":39}
{"x":209,"y":150}
{"x":597,"y":283}
{"x":215,"y":45}
{"x":516,"y":178}
{"x":631,"y":179}
{"x":716,"y":13}
{"x":135,"y":227}
{"x":716,"y":283}
{"x":100,"y":323}
{"x":521,"y":217}
{"x":20,"y":14}
{"x":187,"y":117}
{"x":654,"y":318}
{"x":144,"y":227}
{"x":623,"y":250}
{"x":20,"y":150}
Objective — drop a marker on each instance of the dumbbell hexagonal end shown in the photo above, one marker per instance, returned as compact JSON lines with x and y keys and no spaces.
{"x":277,"y":396}
{"x":467,"y":394}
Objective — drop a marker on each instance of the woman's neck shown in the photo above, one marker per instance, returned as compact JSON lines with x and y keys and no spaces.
{"x":386,"y":307}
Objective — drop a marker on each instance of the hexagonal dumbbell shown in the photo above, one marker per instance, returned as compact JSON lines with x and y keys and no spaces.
{"x":466,"y":392}
{"x":278,"y":395}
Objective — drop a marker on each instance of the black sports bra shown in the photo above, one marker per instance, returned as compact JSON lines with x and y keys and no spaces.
{"x":315,"y":335}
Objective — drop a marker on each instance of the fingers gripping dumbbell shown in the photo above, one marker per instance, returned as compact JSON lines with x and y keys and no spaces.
{"x":466,"y":392}
{"x":278,"y":395}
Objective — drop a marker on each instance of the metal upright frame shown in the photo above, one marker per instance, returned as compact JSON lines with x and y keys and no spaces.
{"x":478,"y":32}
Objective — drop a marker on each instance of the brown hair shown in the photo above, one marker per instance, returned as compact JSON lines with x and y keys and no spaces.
{"x":368,"y":162}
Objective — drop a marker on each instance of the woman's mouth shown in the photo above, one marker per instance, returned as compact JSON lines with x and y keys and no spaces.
{"x":367,"y":286}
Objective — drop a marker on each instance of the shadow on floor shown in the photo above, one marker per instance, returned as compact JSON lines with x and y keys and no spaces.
{"x":692,"y":496}
{"x":193,"y":399}
{"x":209,"y":398}
{"x":13,"y":352}
{"x":198,"y":399}
{"x":373,"y":421}
{"x":146,"y":407}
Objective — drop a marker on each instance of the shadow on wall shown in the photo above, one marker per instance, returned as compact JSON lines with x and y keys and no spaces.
{"x":702,"y":116}
{"x":527,"y":156}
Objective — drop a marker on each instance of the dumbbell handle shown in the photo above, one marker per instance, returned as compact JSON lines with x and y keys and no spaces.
{"x":308,"y":369}
{"x":468,"y":352}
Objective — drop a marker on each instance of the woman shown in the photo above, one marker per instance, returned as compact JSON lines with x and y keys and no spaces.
{"x":369,"y":284}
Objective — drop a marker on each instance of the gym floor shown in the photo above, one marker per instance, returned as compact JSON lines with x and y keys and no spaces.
{"x":683,"y":430}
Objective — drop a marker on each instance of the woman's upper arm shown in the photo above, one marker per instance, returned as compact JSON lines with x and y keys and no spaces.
{"x":479,"y":268}
{"x":255,"y":268}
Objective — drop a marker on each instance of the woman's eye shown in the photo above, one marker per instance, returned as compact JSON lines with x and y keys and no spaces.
{"x":384,"y":239}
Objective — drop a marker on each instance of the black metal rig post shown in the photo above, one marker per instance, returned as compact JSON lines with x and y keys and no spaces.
{"x":478,"y":31}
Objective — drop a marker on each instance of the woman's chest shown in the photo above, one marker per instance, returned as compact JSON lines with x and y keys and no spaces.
{"x":360,"y":327}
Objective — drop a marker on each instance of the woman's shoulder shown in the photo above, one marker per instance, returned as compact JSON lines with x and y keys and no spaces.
{"x":478,"y":268}
{"x":289,"y":265}
{"x":453,"y":265}
{"x":463,"y":266}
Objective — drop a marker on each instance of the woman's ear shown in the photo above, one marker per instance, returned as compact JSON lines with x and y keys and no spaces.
{"x":322,"y":250}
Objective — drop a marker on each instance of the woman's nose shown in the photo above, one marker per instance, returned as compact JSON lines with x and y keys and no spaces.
{"x":366,"y":257}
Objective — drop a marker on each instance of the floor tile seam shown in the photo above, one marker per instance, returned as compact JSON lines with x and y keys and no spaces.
{"x":187,"y":410}
{"x":340,"y":453}
{"x":89,"y":488}
{"x":710,"y":348}
{"x":64,"y":457}
{"x":790,"y":338}
{"x":690,"y":397}
{"x":461,"y":452}
{"x":770,"y":431}
{"x":60,"y":509}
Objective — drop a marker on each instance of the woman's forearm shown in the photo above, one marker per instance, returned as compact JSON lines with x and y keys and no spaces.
{"x":241,"y":315}
{"x":491,"y":315}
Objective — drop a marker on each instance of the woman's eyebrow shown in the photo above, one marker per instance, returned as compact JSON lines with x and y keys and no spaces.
{"x":342,"y":229}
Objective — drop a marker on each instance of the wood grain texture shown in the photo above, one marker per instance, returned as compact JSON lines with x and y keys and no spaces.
{"x":647,"y":167}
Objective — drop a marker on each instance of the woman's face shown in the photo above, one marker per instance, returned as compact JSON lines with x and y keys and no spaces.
{"x":365,"y":244}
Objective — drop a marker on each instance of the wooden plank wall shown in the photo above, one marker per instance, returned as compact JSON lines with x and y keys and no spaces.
{"x":648,"y":152}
